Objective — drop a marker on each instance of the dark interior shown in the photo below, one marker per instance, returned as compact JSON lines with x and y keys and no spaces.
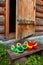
{"x":12,"y":16}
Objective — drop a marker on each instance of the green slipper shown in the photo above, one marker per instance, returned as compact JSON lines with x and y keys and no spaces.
{"x":24,"y":46}
{"x":19,"y":47}
{"x":13,"y":49}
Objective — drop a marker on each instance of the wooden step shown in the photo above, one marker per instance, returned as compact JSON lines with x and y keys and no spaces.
{"x":1,"y":10}
{"x":39,"y":15}
{"x":39,"y":2}
{"x":39,"y":21}
{"x":2,"y":19}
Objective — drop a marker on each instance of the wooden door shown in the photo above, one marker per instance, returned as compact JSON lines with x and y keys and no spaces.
{"x":25,"y":18}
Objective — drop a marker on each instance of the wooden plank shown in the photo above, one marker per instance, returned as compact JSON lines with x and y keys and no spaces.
{"x":39,"y":15}
{"x":38,"y":33}
{"x":14,"y":56}
{"x":1,"y":29}
{"x":1,"y":10}
{"x":39,"y":27}
{"x":2,"y":19}
{"x":39,"y":2}
{"x":2,"y":2}
{"x":39,"y":10}
{"x":39,"y":21}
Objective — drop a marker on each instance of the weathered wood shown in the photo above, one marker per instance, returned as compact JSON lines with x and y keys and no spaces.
{"x":38,"y":33}
{"x":39,"y":28}
{"x":21,"y":60}
{"x":39,"y":10}
{"x":39,"y":21}
{"x":25,"y":30}
{"x":2,"y":3}
{"x":1,"y":10}
{"x":1,"y":29}
{"x":39,"y":2}
{"x":14,"y":56}
{"x":25,"y":9}
{"x":39,"y":15}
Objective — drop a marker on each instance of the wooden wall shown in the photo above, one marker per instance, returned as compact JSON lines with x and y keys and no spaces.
{"x":2,"y":18}
{"x":39,"y":16}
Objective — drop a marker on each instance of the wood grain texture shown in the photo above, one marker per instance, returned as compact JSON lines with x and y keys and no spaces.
{"x":25,"y":30}
{"x":39,"y":10}
{"x":39,"y":15}
{"x":25,"y":10}
{"x":39,"y":2}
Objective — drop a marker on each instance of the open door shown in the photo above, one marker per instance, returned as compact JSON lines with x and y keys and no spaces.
{"x":12,"y":16}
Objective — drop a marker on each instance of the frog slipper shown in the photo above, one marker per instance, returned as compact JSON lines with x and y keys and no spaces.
{"x":13,"y":49}
{"x":19,"y":47}
{"x":26,"y":43}
{"x":24,"y":46}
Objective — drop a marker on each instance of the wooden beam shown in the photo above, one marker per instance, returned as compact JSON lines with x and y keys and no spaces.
{"x":39,"y":28}
{"x":39,"y":10}
{"x":39,"y":2}
{"x":39,"y":15}
{"x":39,"y":21}
{"x":39,"y":31}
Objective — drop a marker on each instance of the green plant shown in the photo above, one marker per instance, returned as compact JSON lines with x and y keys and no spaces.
{"x":33,"y":60}
{"x":3,"y":56}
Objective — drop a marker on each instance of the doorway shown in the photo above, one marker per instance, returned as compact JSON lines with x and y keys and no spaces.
{"x":12,"y":16}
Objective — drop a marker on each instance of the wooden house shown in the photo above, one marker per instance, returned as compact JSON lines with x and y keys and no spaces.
{"x":20,"y":18}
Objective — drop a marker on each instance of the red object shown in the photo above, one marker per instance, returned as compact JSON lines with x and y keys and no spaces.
{"x":35,"y":46}
{"x":34,"y":42}
{"x":30,"y":45}
{"x":29,"y":48}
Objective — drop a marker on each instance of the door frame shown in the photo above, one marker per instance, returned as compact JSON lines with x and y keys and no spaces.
{"x":9,"y":35}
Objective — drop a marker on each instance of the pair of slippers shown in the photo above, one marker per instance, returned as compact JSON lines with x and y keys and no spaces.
{"x":18,"y":48}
